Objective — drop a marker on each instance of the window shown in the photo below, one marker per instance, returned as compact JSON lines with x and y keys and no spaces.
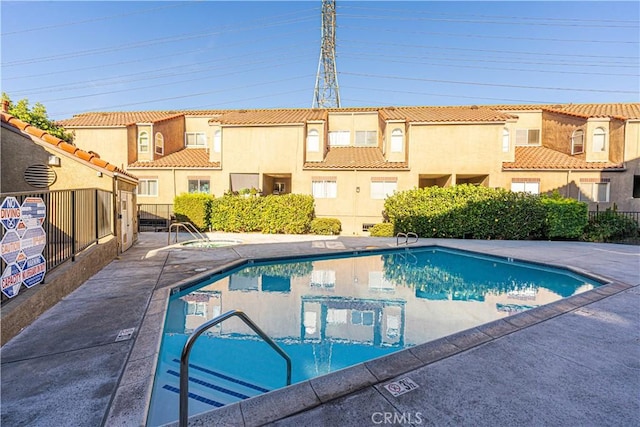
{"x":599,"y":136}
{"x":324,"y":188}
{"x":313,"y":141}
{"x":505,"y":140}
{"x":577,"y":142}
{"x":148,"y":187}
{"x":594,"y":190}
{"x":636,"y":186}
{"x":195,"y":139}
{"x":323,"y":279}
{"x":217,"y":141}
{"x":198,"y":185}
{"x":366,"y":138}
{"x":528,"y":137}
{"x":364,"y":318}
{"x":381,"y":188}
{"x":197,"y":309}
{"x":279,"y":187}
{"x":159,"y":143}
{"x":339,"y":138}
{"x":526,"y":186}
{"x":143,"y":142}
{"x":397,"y":141}
{"x":336,"y":316}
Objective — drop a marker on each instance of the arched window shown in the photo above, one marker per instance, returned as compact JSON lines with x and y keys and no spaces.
{"x":159,"y":143}
{"x":313,"y":140}
{"x":577,"y":142}
{"x":397,"y":140}
{"x":143,"y":142}
{"x":599,"y":139}
{"x":505,"y":140}
{"x":217,"y":141}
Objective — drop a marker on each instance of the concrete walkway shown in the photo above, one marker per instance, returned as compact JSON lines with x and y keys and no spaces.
{"x":576,"y":362}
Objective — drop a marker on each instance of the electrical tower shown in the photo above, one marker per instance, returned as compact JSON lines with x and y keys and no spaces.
{"x":326,"y":93}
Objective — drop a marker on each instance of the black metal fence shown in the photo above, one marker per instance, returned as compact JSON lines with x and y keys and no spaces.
{"x":154,"y":217}
{"x":628,"y":214}
{"x":75,"y":219}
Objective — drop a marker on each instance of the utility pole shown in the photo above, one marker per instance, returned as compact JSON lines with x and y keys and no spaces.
{"x":326,"y":93}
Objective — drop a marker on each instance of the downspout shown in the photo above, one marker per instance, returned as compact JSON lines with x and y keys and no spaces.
{"x":116,"y":215}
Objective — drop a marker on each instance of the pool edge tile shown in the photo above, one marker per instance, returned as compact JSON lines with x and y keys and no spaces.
{"x":340,"y":383}
{"x":393,"y":365}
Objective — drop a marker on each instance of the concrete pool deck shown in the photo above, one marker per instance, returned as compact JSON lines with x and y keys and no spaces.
{"x":575,"y":362}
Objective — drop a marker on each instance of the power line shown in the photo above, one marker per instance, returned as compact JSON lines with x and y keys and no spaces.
{"x":488,"y":84}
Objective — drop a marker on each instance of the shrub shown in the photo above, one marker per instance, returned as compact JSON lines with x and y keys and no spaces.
{"x":288,"y":213}
{"x":194,"y":208}
{"x":609,"y":226}
{"x":326,"y":226}
{"x":384,"y":229}
{"x":565,"y":218}
{"x":466,"y":211}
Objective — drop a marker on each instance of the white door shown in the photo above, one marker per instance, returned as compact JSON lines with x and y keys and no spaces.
{"x":126,"y":221}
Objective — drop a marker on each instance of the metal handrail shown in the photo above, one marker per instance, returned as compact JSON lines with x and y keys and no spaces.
{"x":190,"y":228}
{"x":186,"y":350}
{"x":406,"y":238}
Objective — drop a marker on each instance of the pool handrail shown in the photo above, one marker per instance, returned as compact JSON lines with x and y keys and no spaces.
{"x":189,"y":227}
{"x":406,"y":238}
{"x":186,"y":350}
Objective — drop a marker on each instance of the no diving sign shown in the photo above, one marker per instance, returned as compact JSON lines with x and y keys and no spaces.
{"x":402,"y":386}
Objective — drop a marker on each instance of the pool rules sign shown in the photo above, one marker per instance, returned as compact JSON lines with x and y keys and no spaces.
{"x":22,"y":244}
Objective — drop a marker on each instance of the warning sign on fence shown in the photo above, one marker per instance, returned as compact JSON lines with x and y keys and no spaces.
{"x":23,"y":242}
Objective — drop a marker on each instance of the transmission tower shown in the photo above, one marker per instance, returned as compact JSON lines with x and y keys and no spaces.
{"x":326,"y":94}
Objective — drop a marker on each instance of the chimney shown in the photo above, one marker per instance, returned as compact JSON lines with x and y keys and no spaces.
{"x":5,"y":106}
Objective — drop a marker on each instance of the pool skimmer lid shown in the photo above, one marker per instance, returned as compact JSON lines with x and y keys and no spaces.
{"x":125,"y":334}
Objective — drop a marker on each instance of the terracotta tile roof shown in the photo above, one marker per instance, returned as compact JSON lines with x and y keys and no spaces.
{"x":185,"y":158}
{"x":355,"y":158}
{"x":81,"y":155}
{"x":546,"y":158}
{"x":117,"y":119}
{"x":623,"y":111}
{"x":272,"y":117}
{"x":445,"y":114}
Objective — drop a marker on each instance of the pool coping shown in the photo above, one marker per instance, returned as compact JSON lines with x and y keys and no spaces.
{"x":138,"y":375}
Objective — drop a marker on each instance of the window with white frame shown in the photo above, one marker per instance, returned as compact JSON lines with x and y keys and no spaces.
{"x":366,"y":138}
{"x":199,"y":185}
{"x":381,"y":188}
{"x":324,"y":188}
{"x":577,"y":142}
{"x":159,"y":143}
{"x":599,"y":140}
{"x":594,"y":190}
{"x":397,"y":140}
{"x":362,"y":317}
{"x":527,"y":136}
{"x":339,"y":138}
{"x":313,"y":140}
{"x":195,"y":139}
{"x":505,"y":140}
{"x":526,"y":186}
{"x":323,"y":279}
{"x":143,"y":142}
{"x":148,"y":187}
{"x":217,"y":141}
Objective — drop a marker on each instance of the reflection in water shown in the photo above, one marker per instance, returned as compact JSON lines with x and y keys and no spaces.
{"x":328,"y":314}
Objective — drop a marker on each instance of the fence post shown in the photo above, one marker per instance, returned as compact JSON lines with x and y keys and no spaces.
{"x":73,"y":225}
{"x":96,"y":215}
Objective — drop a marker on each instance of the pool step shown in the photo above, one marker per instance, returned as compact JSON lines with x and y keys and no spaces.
{"x":210,"y":389}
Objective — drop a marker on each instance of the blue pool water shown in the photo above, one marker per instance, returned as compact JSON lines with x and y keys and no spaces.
{"x":331,"y":313}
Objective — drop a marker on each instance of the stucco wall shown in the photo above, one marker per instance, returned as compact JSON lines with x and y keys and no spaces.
{"x":557,"y":130}
{"x":109,"y":143}
{"x":173,"y":132}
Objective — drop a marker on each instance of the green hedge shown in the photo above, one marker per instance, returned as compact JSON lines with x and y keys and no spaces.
{"x":466,"y":211}
{"x":384,"y":229}
{"x":326,"y":226}
{"x":565,"y":218}
{"x":194,"y":208}
{"x":287,"y":213}
{"x":609,"y":226}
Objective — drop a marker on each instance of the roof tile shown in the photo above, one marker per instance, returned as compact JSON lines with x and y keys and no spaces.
{"x":185,"y":158}
{"x":546,"y":158}
{"x":356,"y":158}
{"x":63,"y":145}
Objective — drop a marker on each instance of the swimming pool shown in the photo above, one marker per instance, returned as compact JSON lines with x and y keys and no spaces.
{"x":330,"y":313}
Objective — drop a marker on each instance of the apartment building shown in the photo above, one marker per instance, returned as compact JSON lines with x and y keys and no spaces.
{"x":350,"y":159}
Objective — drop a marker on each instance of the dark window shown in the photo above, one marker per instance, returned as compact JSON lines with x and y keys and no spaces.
{"x":636,"y":186}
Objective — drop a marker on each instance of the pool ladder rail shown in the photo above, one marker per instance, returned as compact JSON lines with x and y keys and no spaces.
{"x":186,"y":351}
{"x":189,"y":228}
{"x":407,"y":236}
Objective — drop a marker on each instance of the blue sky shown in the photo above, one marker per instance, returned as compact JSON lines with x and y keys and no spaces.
{"x":76,"y":57}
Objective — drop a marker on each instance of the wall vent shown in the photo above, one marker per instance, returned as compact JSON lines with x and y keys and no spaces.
{"x":40,"y":176}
